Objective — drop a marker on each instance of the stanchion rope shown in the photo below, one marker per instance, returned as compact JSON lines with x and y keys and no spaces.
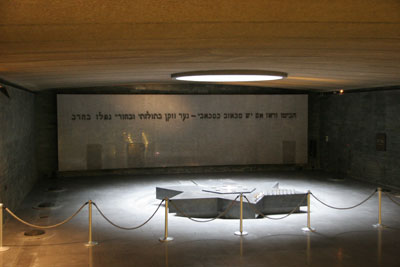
{"x":390,"y":197}
{"x":209,"y":220}
{"x":346,"y":208}
{"x":128,"y":228}
{"x":49,"y":226}
{"x":271,"y":218}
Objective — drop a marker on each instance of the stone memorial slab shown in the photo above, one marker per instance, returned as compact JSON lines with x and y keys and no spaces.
{"x":209,"y":200}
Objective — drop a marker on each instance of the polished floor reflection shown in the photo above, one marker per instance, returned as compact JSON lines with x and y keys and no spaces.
{"x":342,"y":237}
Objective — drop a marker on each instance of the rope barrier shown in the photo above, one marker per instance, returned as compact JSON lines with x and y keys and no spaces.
{"x":128,"y":228}
{"x":266,"y":216}
{"x":180,"y":211}
{"x":390,"y":197}
{"x":49,"y":226}
{"x":204,"y":221}
{"x":346,"y":208}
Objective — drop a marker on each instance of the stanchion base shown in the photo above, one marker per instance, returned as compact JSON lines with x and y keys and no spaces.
{"x":308,"y":229}
{"x":4,"y":249}
{"x":241,"y":233}
{"x":379,"y":226}
{"x":163,"y":239}
{"x":91,"y":244}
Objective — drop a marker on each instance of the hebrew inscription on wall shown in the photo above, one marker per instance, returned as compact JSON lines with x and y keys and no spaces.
{"x":135,"y":131}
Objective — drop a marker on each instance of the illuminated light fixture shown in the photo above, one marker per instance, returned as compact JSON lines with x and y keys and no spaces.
{"x":229,"y":76}
{"x":341,"y":91}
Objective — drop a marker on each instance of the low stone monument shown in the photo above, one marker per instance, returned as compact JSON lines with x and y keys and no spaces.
{"x":210,"y":200}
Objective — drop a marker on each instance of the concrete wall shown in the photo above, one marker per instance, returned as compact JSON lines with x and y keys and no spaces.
{"x":46,"y":135}
{"x":17,"y":146}
{"x":346,"y":127}
{"x":351,"y":122}
{"x":313,"y":131}
{"x":176,"y":130}
{"x":46,"y":113}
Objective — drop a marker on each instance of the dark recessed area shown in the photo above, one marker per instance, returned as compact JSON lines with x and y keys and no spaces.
{"x":56,"y":189}
{"x":46,"y":205}
{"x":336,"y":179}
{"x":35,"y":232}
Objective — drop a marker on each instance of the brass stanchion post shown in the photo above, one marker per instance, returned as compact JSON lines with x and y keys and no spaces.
{"x":166,"y":238}
{"x":308,"y":228}
{"x":241,"y":232}
{"x":379,"y":224}
{"x":90,"y":243}
{"x":1,"y":230}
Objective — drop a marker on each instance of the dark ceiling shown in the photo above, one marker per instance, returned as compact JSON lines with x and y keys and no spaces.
{"x":322,"y":45}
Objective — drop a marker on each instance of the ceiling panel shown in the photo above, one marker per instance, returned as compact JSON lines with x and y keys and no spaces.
{"x":322,"y":45}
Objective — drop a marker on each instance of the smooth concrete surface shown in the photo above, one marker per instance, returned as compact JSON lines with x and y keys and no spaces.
{"x":342,"y":238}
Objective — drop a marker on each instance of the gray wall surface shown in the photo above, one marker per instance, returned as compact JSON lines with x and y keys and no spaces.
{"x":351,"y":119}
{"x":135,"y":131}
{"x":46,"y":112}
{"x":346,"y":126}
{"x":17,"y":146}
{"x":46,"y":133}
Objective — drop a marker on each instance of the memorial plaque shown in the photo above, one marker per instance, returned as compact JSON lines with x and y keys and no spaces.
{"x":140,"y":131}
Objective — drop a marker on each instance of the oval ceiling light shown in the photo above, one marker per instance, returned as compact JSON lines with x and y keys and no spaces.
{"x":229,"y":76}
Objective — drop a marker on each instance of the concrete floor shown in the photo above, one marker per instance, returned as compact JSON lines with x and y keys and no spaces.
{"x":343,"y":238}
